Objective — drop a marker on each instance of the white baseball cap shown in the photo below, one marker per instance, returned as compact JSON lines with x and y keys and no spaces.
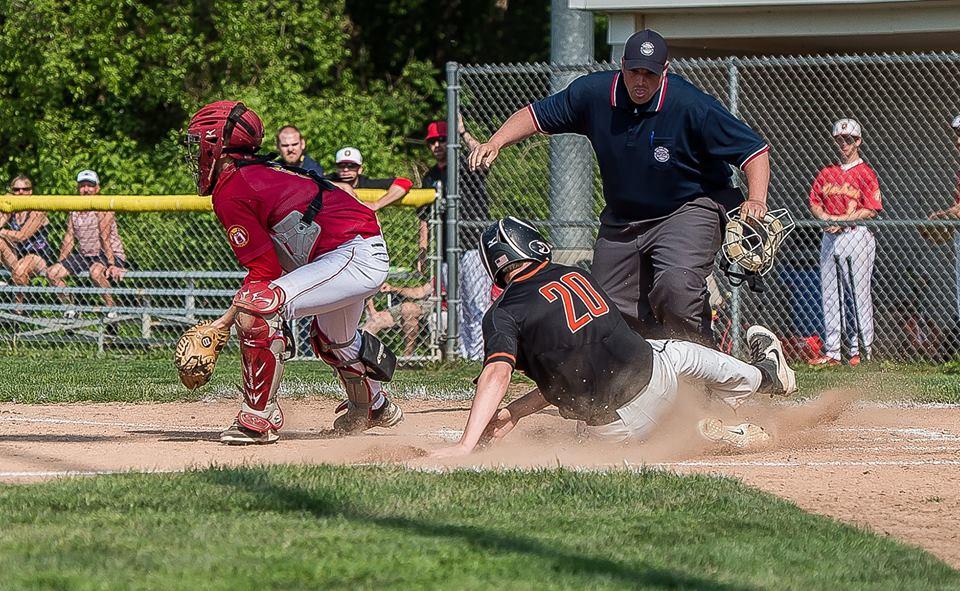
{"x":847,"y":127}
{"x":88,"y":176}
{"x":349,"y":155}
{"x":956,"y":124}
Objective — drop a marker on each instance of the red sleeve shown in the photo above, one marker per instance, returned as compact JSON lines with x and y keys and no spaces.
{"x":816,"y":191}
{"x":403,"y":183}
{"x":870,"y":190}
{"x":249,"y":238}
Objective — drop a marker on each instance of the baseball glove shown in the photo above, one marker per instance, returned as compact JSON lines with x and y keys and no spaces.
{"x":197,"y":353}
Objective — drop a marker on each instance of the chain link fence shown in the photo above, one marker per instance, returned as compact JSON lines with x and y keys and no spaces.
{"x":179,"y":270}
{"x":905,"y":104}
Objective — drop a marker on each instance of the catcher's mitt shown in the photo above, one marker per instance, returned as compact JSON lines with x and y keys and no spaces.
{"x":197,"y":352}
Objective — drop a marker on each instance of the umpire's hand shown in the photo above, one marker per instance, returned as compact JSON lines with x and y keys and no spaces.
{"x":484,"y":155}
{"x":753,"y":208}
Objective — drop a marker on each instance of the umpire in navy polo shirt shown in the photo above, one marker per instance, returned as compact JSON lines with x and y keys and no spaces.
{"x":665,"y":149}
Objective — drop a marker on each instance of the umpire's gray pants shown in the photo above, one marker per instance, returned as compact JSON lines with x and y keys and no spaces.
{"x":655,"y":271}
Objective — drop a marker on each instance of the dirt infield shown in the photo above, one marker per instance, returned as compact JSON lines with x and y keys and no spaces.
{"x":895,"y":470}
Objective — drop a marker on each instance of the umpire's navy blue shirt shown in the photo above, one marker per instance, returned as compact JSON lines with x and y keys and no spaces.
{"x":657,"y":156}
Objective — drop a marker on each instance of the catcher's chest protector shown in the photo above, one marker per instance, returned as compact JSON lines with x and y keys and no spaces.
{"x":294,"y":239}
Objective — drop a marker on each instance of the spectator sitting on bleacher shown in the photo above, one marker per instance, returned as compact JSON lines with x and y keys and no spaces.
{"x":100,"y":250}
{"x":292,"y":145}
{"x":408,"y":313}
{"x":25,"y":246}
{"x":350,"y":170}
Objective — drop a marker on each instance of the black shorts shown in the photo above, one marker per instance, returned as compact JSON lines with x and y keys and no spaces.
{"x":78,"y":263}
{"x":47,"y":254}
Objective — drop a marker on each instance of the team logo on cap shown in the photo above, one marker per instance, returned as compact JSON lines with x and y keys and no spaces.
{"x":661,"y":154}
{"x":647,"y":48}
{"x":539,"y":247}
{"x":238,"y":236}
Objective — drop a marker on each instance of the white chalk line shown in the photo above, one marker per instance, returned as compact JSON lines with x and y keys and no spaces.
{"x":799,"y":464}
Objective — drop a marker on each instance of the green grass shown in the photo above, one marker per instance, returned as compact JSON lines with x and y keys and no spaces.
{"x":384,"y":528}
{"x":35,"y":379}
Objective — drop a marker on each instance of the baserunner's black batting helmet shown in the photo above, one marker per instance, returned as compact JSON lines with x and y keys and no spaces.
{"x":511,"y":240}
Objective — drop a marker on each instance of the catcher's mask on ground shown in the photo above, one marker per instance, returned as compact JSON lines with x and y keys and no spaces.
{"x":220,"y":128}
{"x":511,"y":240}
{"x":751,"y":243}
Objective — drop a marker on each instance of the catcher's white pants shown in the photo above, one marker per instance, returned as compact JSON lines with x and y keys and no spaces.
{"x":860,"y":246}
{"x":334,"y":287}
{"x":677,"y":364}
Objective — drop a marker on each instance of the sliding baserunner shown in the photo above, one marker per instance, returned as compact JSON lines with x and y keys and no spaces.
{"x":555,"y":324}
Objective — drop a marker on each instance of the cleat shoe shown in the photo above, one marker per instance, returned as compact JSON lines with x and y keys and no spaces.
{"x":824,"y":361}
{"x":357,"y":420}
{"x":857,"y":360}
{"x":767,"y":354}
{"x":237,"y":434}
{"x":740,"y":436}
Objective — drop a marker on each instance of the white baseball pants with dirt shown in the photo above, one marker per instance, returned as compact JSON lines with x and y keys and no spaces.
{"x":333,"y":289}
{"x":475,"y":286}
{"x":678,"y":364}
{"x":859,"y":245}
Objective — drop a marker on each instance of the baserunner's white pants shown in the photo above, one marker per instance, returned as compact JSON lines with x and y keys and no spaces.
{"x":677,"y":363}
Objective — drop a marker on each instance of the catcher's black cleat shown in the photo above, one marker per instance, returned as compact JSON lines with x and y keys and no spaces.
{"x":357,"y":420}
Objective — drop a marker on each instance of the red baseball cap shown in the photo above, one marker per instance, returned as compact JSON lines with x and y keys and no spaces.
{"x":436,"y":129}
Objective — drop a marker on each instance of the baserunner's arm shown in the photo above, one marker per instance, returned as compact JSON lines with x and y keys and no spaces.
{"x":491,"y":388}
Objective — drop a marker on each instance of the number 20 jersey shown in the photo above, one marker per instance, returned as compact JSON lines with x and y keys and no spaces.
{"x":555,"y":324}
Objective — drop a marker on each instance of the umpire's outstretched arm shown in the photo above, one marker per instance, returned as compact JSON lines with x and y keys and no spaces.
{"x":517,"y":128}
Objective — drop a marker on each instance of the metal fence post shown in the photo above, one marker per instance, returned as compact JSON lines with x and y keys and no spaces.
{"x":452,"y":212}
{"x":733,"y":95}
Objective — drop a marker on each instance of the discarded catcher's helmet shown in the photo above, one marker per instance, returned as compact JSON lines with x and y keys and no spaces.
{"x":752,"y":244}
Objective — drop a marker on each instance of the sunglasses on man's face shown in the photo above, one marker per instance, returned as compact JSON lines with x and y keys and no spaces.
{"x":436,"y":140}
{"x":845,"y":139}
{"x":20,"y":189}
{"x":86,"y":184}
{"x":348,"y":166}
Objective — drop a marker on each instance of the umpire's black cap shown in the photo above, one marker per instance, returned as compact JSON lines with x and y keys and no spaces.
{"x":645,"y":49}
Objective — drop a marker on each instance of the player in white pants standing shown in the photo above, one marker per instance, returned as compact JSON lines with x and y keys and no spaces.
{"x":846,"y":192}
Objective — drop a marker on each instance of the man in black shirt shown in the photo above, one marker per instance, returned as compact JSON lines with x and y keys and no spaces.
{"x":350,"y":170}
{"x":555,"y":324}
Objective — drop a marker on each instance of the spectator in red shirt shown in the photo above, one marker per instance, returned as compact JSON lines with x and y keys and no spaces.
{"x":846,"y":192}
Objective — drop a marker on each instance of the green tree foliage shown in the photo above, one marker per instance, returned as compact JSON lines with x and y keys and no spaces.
{"x":108,"y":84}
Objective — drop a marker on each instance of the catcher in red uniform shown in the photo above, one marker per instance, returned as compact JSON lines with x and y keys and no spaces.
{"x":312,"y":249}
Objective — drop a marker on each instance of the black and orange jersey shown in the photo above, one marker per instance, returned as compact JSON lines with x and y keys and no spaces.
{"x":555,"y":324}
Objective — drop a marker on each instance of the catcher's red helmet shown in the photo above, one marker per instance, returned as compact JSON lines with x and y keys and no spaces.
{"x":220,"y":128}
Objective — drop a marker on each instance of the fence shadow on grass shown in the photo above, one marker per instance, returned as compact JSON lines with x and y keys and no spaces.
{"x":277,"y":496}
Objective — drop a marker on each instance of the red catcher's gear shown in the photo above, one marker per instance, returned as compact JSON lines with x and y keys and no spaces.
{"x":220,"y":128}
{"x":260,"y":297}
